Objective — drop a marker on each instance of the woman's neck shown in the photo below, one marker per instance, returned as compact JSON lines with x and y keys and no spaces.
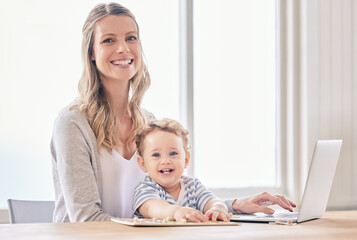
{"x":118,"y":97}
{"x":117,"y":93}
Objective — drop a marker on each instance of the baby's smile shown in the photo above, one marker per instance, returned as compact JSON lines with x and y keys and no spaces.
{"x":166,"y":170}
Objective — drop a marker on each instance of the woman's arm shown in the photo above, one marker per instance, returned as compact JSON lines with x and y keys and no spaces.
{"x":260,"y":203}
{"x":75,"y":170}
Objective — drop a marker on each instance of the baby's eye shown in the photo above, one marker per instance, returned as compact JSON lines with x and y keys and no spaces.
{"x":173,"y":153}
{"x":156,"y":155}
{"x":109,"y":40}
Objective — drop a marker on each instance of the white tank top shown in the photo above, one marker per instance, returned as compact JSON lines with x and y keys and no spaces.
{"x":119,"y":177}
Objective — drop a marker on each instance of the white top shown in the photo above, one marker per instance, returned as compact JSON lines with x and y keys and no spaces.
{"x":119,"y":177}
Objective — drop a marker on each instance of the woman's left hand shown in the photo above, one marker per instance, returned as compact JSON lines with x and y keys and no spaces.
{"x":260,"y":203}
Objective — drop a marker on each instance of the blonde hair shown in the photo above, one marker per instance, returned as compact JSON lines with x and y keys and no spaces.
{"x":167,"y":125}
{"x":93,"y":102}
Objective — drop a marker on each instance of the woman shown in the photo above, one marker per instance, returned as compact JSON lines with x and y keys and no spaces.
{"x":95,"y":167}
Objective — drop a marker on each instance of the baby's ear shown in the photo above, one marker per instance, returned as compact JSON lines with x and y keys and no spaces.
{"x":187,"y":159}
{"x":141,"y":163}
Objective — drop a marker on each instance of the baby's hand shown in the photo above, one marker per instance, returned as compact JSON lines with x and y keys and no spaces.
{"x":189,"y":214}
{"x":218,"y":212}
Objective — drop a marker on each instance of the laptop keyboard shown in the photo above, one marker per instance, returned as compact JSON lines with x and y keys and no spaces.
{"x":284,"y":215}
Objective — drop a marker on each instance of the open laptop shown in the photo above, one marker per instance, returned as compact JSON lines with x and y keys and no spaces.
{"x":317,"y":188}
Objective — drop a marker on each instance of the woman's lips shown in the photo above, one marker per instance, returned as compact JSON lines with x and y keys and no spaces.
{"x":123,"y":62}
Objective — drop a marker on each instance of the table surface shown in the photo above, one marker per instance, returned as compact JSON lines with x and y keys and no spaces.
{"x":333,"y":225}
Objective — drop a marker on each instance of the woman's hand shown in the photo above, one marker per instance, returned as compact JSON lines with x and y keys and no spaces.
{"x":189,"y":214}
{"x":259,"y":203}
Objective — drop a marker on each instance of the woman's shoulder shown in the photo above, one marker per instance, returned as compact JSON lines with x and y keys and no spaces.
{"x":71,"y":111}
{"x":70,"y":115}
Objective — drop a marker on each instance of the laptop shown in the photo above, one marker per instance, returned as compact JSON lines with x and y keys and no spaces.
{"x":317,"y":188}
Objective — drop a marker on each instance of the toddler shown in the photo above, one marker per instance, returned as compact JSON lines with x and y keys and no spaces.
{"x":163,"y":152}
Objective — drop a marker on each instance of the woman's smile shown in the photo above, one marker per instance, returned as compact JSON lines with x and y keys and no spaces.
{"x":123,"y":62}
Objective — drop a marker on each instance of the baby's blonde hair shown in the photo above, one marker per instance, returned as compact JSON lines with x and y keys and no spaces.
{"x":166,"y":125}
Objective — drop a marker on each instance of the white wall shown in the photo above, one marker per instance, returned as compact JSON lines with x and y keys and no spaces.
{"x":329,"y":73}
{"x":318,"y":92}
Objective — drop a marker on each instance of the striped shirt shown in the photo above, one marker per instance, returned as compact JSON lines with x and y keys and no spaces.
{"x":193,"y":194}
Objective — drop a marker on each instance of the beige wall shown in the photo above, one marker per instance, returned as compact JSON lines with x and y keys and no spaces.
{"x":329,"y":67}
{"x":318,"y":87}
{"x":4,"y":216}
{"x":320,"y":77}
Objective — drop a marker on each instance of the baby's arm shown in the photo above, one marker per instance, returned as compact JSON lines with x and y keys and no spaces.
{"x":216,"y":209}
{"x":155,"y":208}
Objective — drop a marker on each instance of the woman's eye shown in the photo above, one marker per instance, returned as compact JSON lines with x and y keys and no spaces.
{"x":109,"y":40}
{"x":173,"y":153}
{"x":132,"y":38}
{"x":156,"y":155}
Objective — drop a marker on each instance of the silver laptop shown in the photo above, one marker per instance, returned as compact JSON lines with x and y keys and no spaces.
{"x":317,"y":188}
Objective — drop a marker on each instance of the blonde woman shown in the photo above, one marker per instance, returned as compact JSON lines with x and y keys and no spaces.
{"x":94,"y":162}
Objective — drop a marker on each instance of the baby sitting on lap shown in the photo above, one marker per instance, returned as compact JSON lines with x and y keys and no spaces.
{"x":163,"y":152}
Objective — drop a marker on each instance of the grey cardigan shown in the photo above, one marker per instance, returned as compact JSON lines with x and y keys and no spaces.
{"x":77,"y":171}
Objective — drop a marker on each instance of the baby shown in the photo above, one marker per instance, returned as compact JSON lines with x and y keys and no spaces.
{"x":163,"y":152}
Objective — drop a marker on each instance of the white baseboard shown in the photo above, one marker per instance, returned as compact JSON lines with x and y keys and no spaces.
{"x":4,"y":216}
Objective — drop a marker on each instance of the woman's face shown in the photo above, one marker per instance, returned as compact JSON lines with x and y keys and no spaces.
{"x":116,"y":48}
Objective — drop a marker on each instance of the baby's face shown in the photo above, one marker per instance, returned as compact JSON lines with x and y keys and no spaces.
{"x":164,"y":158}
